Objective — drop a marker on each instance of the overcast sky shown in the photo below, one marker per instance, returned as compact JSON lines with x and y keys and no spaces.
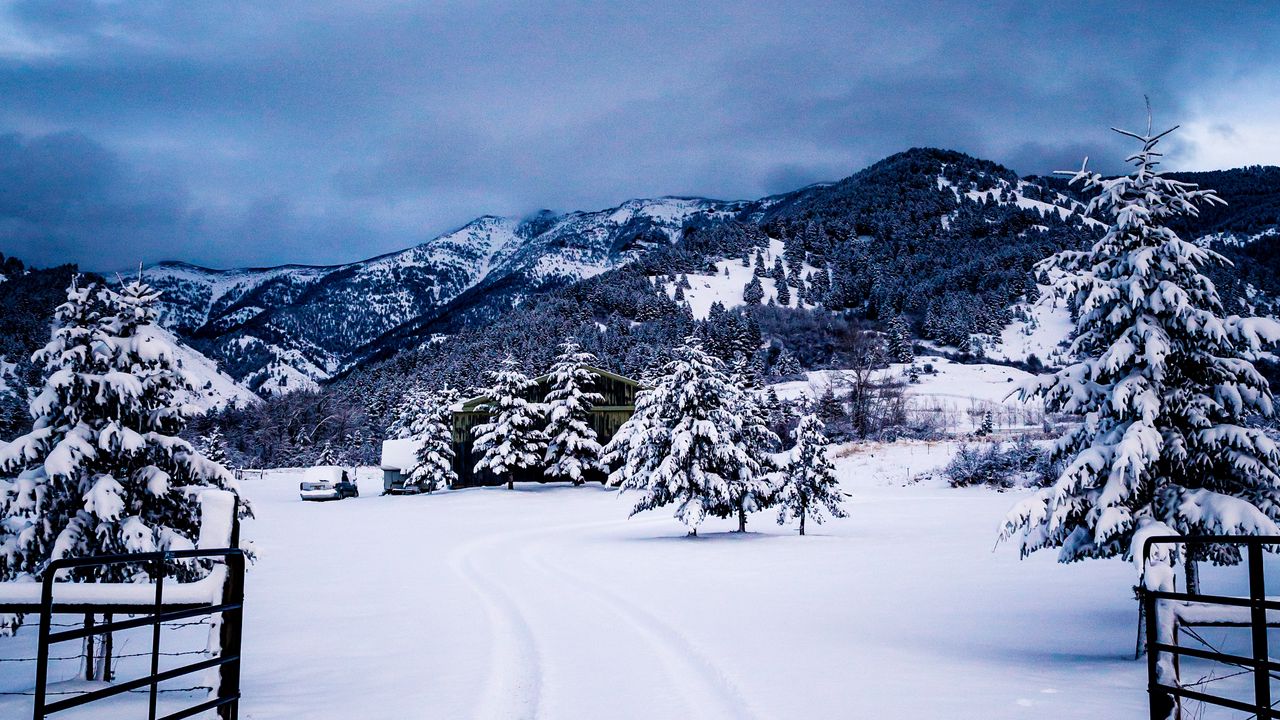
{"x":238,"y":133}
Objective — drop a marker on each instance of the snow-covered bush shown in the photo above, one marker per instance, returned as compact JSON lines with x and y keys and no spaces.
{"x":1164,"y":384}
{"x":999,"y":465}
{"x":102,"y":470}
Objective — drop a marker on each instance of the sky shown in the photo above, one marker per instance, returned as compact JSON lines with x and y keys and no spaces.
{"x":259,"y":133}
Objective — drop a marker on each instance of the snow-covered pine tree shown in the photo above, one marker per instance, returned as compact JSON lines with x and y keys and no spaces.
{"x":103,"y":470}
{"x":786,"y":365}
{"x":434,"y":431}
{"x":408,"y":416}
{"x":988,"y":424}
{"x":754,"y":493}
{"x":753,"y":293}
{"x":679,"y":294}
{"x":327,"y":455}
{"x":573,"y":451}
{"x":808,"y":484}
{"x":900,"y":349}
{"x":213,"y":446}
{"x":784,"y":294}
{"x":512,"y":439}
{"x":1164,"y":383}
{"x":759,"y":267}
{"x":684,"y":444}
{"x":779,"y":273}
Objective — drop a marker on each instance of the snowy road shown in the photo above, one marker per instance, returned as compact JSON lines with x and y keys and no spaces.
{"x":548,"y":603}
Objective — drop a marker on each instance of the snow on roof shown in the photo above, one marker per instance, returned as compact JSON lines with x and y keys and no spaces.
{"x":322,"y":473}
{"x":400,"y":454}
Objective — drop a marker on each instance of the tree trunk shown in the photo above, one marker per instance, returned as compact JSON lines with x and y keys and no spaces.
{"x":802,"y":524}
{"x":742,"y":519}
{"x":1193,"y":574}
{"x":511,"y":482}
{"x":693,"y":532}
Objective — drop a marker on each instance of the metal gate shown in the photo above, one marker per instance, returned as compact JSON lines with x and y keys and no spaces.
{"x":227,"y":697}
{"x":1212,"y":610}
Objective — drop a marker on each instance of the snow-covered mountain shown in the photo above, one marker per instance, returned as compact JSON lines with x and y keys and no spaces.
{"x":290,"y":327}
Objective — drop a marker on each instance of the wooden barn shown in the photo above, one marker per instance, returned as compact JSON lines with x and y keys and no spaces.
{"x":619,"y":403}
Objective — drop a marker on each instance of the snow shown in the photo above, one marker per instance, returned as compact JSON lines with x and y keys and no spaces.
{"x":1044,"y":333}
{"x":212,"y":388}
{"x":958,"y":393}
{"x":546,"y":601}
{"x":400,"y":454}
{"x":706,"y":290}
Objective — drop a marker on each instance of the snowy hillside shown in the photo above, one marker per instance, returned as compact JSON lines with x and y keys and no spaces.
{"x":212,"y":387}
{"x":726,"y":285}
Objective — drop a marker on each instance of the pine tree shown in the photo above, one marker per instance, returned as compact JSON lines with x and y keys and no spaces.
{"x":573,"y":450}
{"x":433,"y":429}
{"x":793,"y":250}
{"x":214,"y":447}
{"x":786,"y":365}
{"x":759,"y":270}
{"x":779,"y":273}
{"x":753,"y":293}
{"x":900,"y":349}
{"x":679,"y":294}
{"x":784,"y":294}
{"x":327,"y":455}
{"x":1163,"y":382}
{"x":988,"y":425}
{"x":751,"y":494}
{"x":684,"y":444}
{"x":512,"y":438}
{"x":103,"y":470}
{"x":809,"y":481}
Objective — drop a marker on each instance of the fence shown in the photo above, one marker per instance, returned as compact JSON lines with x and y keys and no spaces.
{"x":1168,"y":610}
{"x":154,"y":615}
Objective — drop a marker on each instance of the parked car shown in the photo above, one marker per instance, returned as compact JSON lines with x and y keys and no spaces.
{"x":327,"y":482}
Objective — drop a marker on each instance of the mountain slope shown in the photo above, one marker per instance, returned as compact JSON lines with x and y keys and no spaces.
{"x":292,"y":327}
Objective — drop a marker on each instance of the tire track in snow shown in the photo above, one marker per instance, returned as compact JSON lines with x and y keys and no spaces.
{"x":706,"y":688}
{"x":513,"y":688}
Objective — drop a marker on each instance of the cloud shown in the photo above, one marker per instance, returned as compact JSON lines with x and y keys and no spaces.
{"x":325,"y":131}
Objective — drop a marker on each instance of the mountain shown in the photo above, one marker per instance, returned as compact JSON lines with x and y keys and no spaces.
{"x":944,"y":238}
{"x":292,"y":327}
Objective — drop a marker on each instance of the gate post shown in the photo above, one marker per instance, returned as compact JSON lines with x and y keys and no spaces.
{"x":1258,"y":618}
{"x":231,"y":627}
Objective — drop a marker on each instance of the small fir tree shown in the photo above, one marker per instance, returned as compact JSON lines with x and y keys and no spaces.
{"x":809,"y":483}
{"x":753,"y":293}
{"x":784,"y":294}
{"x":900,"y":349}
{"x":512,"y":439}
{"x":573,"y":451}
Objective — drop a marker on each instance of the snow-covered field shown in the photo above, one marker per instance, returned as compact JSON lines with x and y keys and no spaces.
{"x":955,"y":394}
{"x":548,"y":602}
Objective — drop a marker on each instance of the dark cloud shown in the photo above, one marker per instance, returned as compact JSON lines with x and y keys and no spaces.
{"x":310,"y":131}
